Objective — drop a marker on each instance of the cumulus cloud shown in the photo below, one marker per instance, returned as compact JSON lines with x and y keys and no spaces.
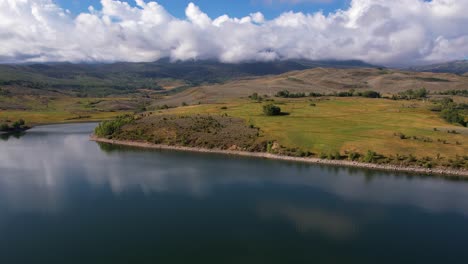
{"x":377,"y":31}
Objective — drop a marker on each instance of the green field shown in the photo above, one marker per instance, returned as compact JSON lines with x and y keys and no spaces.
{"x":348,"y":124}
{"x":60,"y":109}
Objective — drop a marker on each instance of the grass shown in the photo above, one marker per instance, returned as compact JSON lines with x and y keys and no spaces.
{"x":348,"y":124}
{"x":58,"y":110}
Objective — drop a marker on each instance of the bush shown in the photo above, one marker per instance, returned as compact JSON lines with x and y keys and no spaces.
{"x":413,"y":94}
{"x":283,"y":94}
{"x":16,"y":125}
{"x":109,"y":128}
{"x":312,"y":94}
{"x":255,"y":97}
{"x":451,"y":111}
{"x":4,"y":127}
{"x":370,"y":94}
{"x":353,"y":156}
{"x":452,"y":115}
{"x":271,"y":110}
{"x":287,"y":94}
{"x":370,"y":156}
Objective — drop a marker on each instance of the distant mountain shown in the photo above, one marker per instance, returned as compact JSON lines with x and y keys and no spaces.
{"x":457,"y":67}
{"x":124,"y":77}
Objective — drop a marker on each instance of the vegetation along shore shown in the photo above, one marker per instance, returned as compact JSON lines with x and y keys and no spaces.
{"x":456,"y":173}
{"x":380,"y":133}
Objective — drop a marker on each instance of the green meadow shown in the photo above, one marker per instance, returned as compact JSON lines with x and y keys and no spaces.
{"x":37,"y":111}
{"x":348,"y":124}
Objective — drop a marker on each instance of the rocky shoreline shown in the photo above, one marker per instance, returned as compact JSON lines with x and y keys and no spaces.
{"x":452,"y":173}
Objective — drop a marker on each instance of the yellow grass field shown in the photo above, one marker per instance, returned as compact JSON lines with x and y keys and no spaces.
{"x":348,"y":124}
{"x":61,"y":109}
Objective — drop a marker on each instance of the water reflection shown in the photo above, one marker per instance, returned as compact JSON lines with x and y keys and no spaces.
{"x":7,"y":136}
{"x":332,"y":224}
{"x":38,"y":171}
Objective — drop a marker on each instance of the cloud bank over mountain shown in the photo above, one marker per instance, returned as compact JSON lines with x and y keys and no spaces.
{"x":385,"y":32}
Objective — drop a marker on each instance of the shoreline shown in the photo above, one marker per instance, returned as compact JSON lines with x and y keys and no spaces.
{"x":452,"y":173}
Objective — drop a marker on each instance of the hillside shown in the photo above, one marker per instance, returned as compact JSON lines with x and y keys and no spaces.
{"x":401,"y":133}
{"x":124,"y":78}
{"x":456,"y":67}
{"x":322,"y":80}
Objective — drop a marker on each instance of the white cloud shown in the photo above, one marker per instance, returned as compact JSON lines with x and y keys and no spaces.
{"x":378,"y":31}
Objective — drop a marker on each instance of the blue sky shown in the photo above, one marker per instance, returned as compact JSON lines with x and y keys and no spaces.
{"x":234,"y":8}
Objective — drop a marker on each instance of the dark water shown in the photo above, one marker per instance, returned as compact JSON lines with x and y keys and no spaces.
{"x":64,"y":199}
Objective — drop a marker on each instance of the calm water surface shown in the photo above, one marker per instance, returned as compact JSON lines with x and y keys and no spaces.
{"x":64,"y":199}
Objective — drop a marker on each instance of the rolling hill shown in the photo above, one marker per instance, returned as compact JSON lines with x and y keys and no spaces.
{"x":322,"y":80}
{"x":457,"y":67}
{"x":124,"y":78}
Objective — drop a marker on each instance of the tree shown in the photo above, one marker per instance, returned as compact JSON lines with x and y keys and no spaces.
{"x":283,"y":94}
{"x":453,"y":116}
{"x":16,"y":125}
{"x":370,"y":94}
{"x":271,"y":110}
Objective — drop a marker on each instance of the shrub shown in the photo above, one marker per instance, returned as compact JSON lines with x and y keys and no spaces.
{"x":370,"y":94}
{"x":4,"y":127}
{"x":353,"y":156}
{"x":283,"y":94}
{"x":451,"y":111}
{"x":271,"y":110}
{"x":413,"y":94}
{"x":256,"y":97}
{"x":287,"y":94}
{"x":412,"y":158}
{"x":312,"y":94}
{"x":370,"y":156}
{"x":16,"y":125}
{"x":452,"y":115}
{"x":345,"y":94}
{"x":108,"y":128}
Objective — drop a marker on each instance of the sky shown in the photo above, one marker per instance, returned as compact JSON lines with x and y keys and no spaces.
{"x":216,"y":8}
{"x":390,"y":33}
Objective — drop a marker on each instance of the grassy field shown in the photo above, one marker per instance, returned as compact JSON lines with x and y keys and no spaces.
{"x":36,"y":110}
{"x":348,"y":124}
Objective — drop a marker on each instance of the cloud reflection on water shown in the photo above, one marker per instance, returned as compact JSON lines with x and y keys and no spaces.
{"x":312,"y":219}
{"x":39,"y":170}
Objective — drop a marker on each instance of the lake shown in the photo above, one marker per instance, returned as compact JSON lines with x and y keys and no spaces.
{"x":65,"y":199}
